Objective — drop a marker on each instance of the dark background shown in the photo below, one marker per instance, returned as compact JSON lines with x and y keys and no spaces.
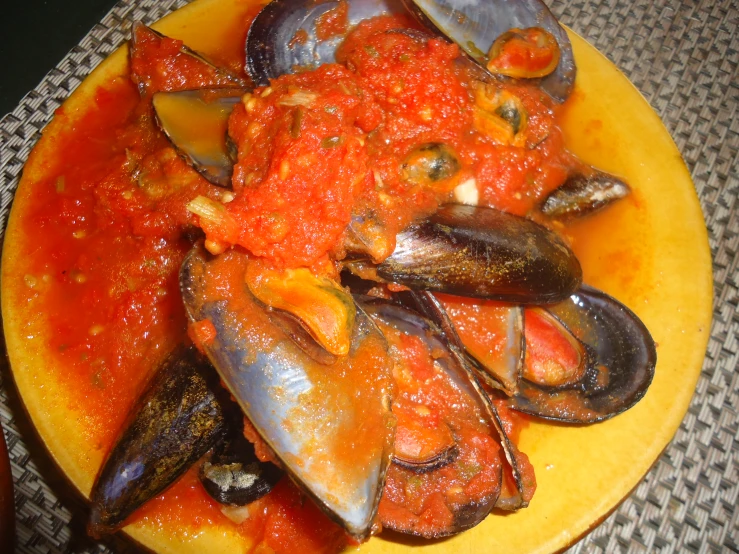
{"x":35,"y":35}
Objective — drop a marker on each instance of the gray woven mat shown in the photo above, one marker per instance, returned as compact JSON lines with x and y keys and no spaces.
{"x":684,"y":58}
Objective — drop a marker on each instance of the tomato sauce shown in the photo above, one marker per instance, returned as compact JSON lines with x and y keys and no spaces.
{"x":314,"y":150}
{"x":318,"y":150}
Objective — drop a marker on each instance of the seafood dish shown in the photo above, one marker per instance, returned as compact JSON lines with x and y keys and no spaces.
{"x":322,"y":279}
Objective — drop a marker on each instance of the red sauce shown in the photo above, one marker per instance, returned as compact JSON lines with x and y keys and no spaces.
{"x":301,"y":141}
{"x":334,"y":22}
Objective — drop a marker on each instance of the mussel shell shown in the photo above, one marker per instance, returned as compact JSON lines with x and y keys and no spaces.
{"x":272,"y":48}
{"x":308,"y":413}
{"x":173,"y":424}
{"x":505,"y":372}
{"x":617,"y":341}
{"x":583,"y":194}
{"x":234,"y":475}
{"x":410,"y":322}
{"x":475,"y":24}
{"x":428,"y":305}
{"x":196,"y":123}
{"x":484,"y":253}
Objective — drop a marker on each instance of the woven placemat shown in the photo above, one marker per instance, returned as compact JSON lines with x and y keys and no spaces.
{"x":684,"y":58}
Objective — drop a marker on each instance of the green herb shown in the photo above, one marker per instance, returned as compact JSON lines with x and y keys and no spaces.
{"x":371,"y":50}
{"x":331,"y":109}
{"x":415,"y":482}
{"x":468,"y":471}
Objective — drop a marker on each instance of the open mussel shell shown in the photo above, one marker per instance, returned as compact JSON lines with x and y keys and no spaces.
{"x":196,"y":122}
{"x":175,"y":422}
{"x":483,"y":253}
{"x":621,"y":360}
{"x":282,"y":38}
{"x":329,"y":425}
{"x":583,"y":194}
{"x":234,"y":475}
{"x":411,"y":323}
{"x":500,"y":369}
{"x":475,"y":24}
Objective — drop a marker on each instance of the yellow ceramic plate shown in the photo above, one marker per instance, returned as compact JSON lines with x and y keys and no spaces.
{"x":651,"y":252}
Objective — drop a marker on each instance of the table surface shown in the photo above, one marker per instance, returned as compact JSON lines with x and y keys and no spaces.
{"x":682,"y":56}
{"x":56,"y":29}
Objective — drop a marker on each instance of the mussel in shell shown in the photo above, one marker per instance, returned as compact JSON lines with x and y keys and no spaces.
{"x":581,"y":360}
{"x":470,"y":407}
{"x":329,"y":426}
{"x":618,"y":358}
{"x":584,"y":193}
{"x":196,"y":121}
{"x":475,"y":25}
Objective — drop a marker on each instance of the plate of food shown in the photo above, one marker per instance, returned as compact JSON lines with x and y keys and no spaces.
{"x":316,"y":277}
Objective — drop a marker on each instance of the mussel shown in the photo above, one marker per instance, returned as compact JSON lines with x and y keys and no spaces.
{"x":475,"y":25}
{"x":584,"y":193}
{"x":470,"y":406}
{"x":598,"y":361}
{"x":329,"y":426}
{"x":483,"y":253}
{"x":616,"y":353}
{"x":196,"y":122}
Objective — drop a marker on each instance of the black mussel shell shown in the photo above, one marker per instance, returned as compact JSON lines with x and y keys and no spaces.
{"x":196,"y":123}
{"x":584,"y":194}
{"x":234,"y":475}
{"x":621,"y":358}
{"x":282,"y":38}
{"x":174,"y":423}
{"x":483,"y":253}
{"x":475,"y":24}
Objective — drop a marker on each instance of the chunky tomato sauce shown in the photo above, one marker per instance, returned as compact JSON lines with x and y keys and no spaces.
{"x":320,"y":150}
{"x":314,"y":150}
